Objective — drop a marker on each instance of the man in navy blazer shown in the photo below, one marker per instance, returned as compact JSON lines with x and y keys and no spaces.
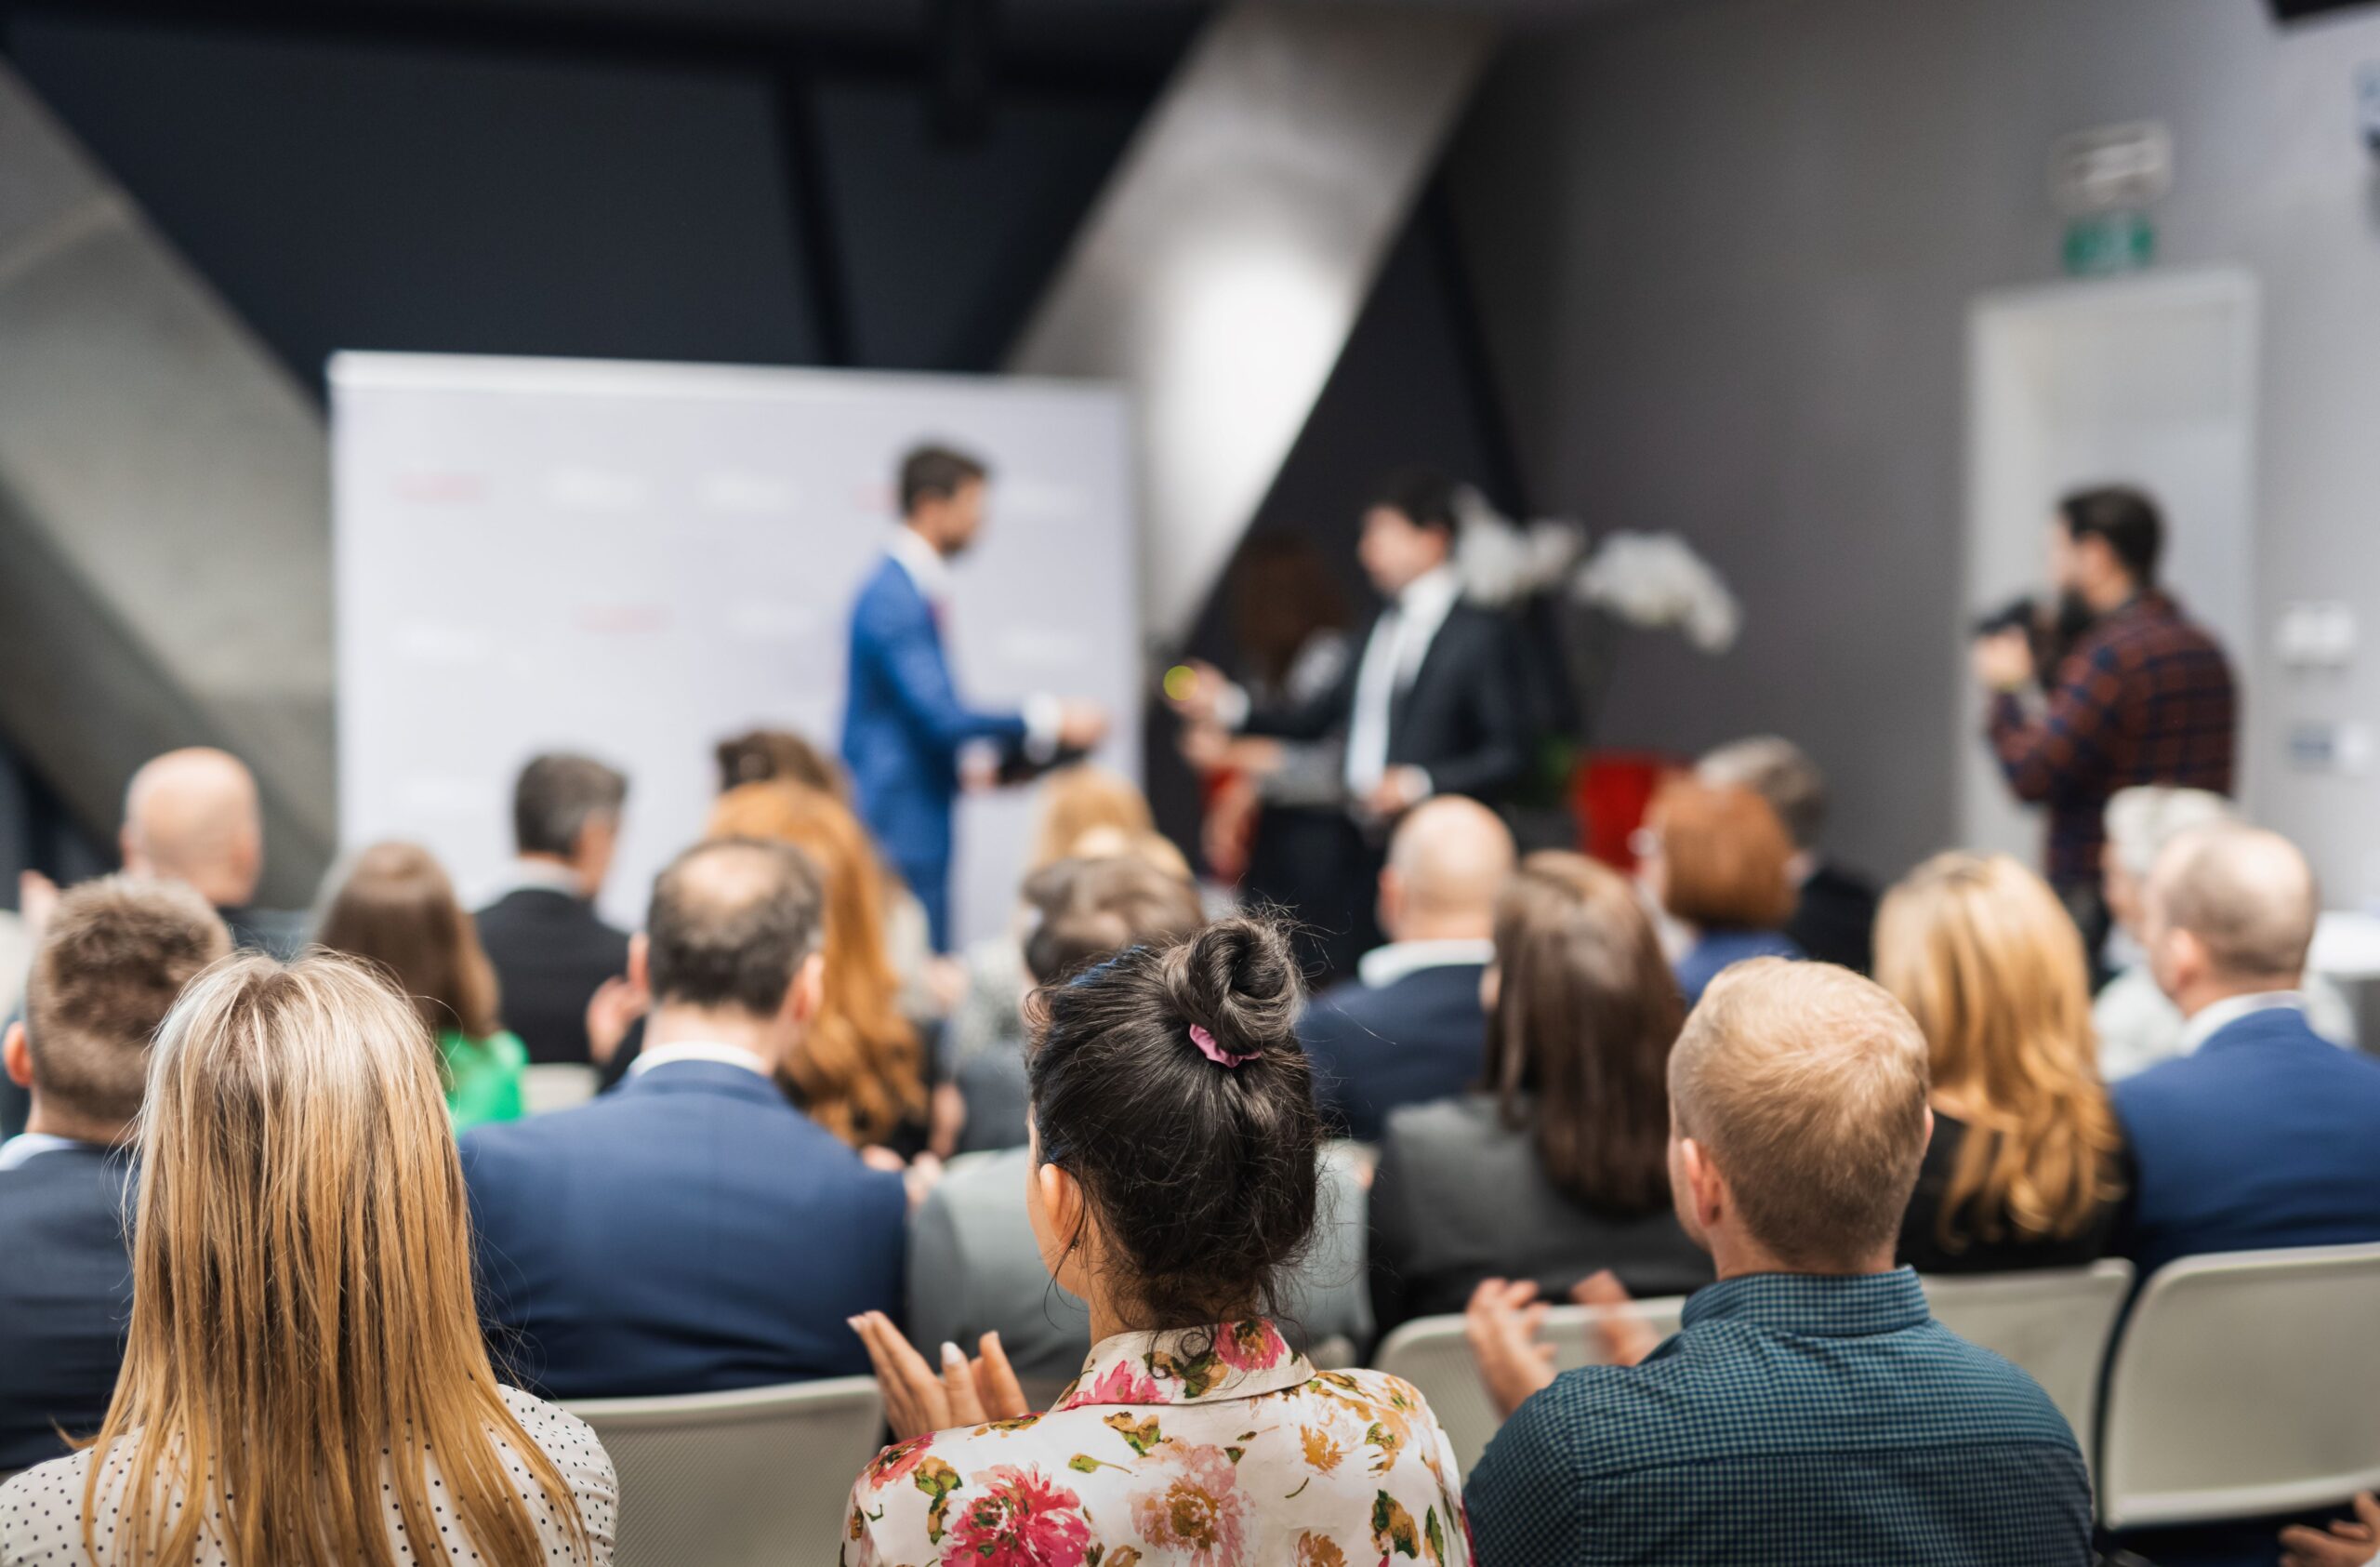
{"x":1409,"y":1027}
{"x":904,"y":723}
{"x":113,"y":956}
{"x":2264,"y":1134}
{"x":692,"y":1231}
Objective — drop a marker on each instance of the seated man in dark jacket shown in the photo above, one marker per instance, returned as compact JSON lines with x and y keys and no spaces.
{"x":113,"y":956}
{"x":553,"y":951}
{"x":1410,"y":1029}
{"x":692,"y":1231}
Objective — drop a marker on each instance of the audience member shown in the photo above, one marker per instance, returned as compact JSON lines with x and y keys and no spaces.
{"x":973,"y":1268}
{"x":2138,"y":1024}
{"x":1173,"y":1185}
{"x":2025,"y":1167}
{"x":395,"y":908}
{"x":1557,"y":1167}
{"x":860,"y":1070}
{"x":929,"y":983}
{"x":1406,"y":1029}
{"x":1810,"y":1409}
{"x":675,"y":1236}
{"x":303,"y":1381}
{"x":2261,"y":1133}
{"x":113,"y":956}
{"x":2145,"y":696}
{"x":1715,"y":861}
{"x":193,"y":817}
{"x":551,"y":951}
{"x":1125,"y":891}
{"x":1834,"y":909}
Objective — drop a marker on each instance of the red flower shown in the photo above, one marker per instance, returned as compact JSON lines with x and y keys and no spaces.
{"x":1254,"y":1344}
{"x":1017,"y":1519}
{"x":896,"y":1461}
{"x":1121,"y":1385}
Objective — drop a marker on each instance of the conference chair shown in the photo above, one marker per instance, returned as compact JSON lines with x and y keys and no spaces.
{"x":557,"y":1086}
{"x":1433,"y":1354}
{"x":2244,"y":1384}
{"x":2054,"y":1323}
{"x":756,"y":1478}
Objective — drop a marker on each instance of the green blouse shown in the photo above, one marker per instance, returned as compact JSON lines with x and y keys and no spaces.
{"x":483,"y":1077}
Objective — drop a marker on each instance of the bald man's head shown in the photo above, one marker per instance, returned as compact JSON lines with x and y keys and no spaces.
{"x":191,"y":817}
{"x":2230,"y":909}
{"x":1445,"y":864}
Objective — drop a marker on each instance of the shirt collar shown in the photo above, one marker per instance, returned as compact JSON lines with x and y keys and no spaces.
{"x":1187,"y":1366}
{"x":544,"y":875}
{"x":1386,"y":965}
{"x":30,"y":1145}
{"x":2213,"y":1018}
{"x":1815,"y":1305}
{"x":923,"y":562}
{"x":700,"y":1050}
{"x":1428,"y":597}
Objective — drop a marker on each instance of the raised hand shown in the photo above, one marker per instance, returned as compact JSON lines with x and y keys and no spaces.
{"x":918,"y":1399}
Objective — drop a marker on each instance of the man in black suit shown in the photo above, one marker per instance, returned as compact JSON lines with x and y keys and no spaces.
{"x":1834,"y":915}
{"x":551,"y":951}
{"x":1431,"y":706}
{"x":114,"y":953}
{"x":1409,"y":1027}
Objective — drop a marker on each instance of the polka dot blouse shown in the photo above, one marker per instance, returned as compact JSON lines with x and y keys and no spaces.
{"x":41,"y":1510}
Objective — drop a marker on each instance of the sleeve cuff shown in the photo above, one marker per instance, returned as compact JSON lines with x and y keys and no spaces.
{"x":1043,"y":715}
{"x":1231,"y":707}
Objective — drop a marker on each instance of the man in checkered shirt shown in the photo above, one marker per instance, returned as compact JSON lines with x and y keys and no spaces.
{"x":1811,"y":1411}
{"x":2146,"y":697}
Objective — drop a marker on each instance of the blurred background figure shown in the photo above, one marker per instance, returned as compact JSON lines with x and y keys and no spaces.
{"x":553,"y":951}
{"x":1407,"y":1029}
{"x":1834,"y":909}
{"x":2138,"y":1025}
{"x":1554,"y":1168}
{"x":2025,"y":1168}
{"x":395,"y":908}
{"x":1717,"y":864}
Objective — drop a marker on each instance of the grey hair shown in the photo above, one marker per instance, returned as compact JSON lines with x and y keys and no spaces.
{"x":1779,"y":772}
{"x":2143,"y":819}
{"x":558,"y":795}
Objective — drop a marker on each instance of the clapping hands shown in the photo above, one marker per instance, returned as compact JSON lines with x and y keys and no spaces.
{"x":1504,"y":1319}
{"x":917,"y":1400}
{"x":2348,"y":1543}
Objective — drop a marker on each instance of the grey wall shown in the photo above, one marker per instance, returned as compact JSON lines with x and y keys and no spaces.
{"x":1725,"y":249}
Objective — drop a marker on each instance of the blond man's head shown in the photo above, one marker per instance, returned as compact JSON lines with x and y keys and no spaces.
{"x":1803,"y":1087}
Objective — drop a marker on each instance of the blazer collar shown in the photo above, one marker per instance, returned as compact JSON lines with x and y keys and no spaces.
{"x":707,"y":1077}
{"x":1187,"y":1366}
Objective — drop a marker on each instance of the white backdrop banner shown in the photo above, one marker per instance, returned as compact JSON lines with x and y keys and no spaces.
{"x":638,"y":560}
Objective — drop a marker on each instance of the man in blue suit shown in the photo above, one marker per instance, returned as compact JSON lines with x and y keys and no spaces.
{"x":904,"y":723}
{"x":113,"y":956}
{"x":2264,"y":1134}
{"x":692,"y":1231}
{"x":1409,"y":1027}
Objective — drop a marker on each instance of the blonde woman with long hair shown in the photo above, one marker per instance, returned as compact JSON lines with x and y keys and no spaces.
{"x":304,"y":1384}
{"x":2027,"y":1162}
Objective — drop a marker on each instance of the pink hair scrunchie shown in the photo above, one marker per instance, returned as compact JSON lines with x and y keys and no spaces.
{"x":1213,"y":1052}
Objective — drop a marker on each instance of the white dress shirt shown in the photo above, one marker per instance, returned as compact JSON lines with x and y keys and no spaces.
{"x":700,"y":1050}
{"x":1392,"y":656}
{"x":1385,"y":965}
{"x":26,"y":1145}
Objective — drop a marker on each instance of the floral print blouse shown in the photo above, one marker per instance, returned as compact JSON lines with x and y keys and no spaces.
{"x":1196,"y":1448}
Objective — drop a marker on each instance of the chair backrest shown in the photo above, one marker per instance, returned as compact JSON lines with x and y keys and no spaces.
{"x":1432,"y":1353}
{"x":755,"y":1478}
{"x":2245,"y":1385}
{"x":557,"y":1086}
{"x":2056,"y":1324}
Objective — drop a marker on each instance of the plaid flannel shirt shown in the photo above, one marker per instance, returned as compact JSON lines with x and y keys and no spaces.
{"x":2145,"y":697}
{"x":1795,"y":1421}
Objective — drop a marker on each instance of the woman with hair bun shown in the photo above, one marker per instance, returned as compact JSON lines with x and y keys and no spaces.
{"x":1172,"y":1185}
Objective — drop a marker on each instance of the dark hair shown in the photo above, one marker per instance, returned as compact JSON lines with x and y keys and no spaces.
{"x":1084,"y":910}
{"x":937,"y":474}
{"x":1282,"y":595}
{"x":1424,"y":496}
{"x":557,"y":795}
{"x":768,"y":755}
{"x":2126,"y":518}
{"x":396,"y":907}
{"x":1578,"y":1046}
{"x":114,"y":957}
{"x":1202,"y":1175}
{"x":731,"y":923}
